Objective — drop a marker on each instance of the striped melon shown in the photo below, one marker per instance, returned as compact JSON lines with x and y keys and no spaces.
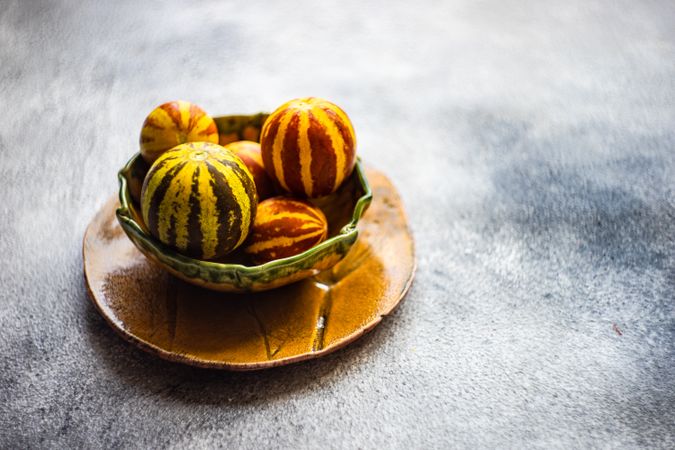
{"x":308,"y":146}
{"x":175,"y":123}
{"x":200,"y":199}
{"x":284,"y":227}
{"x":249,"y":152}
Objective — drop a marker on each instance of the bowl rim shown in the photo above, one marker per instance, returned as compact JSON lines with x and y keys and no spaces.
{"x":348,"y":231}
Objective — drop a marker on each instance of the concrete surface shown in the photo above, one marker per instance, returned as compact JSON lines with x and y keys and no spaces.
{"x":533,"y":143}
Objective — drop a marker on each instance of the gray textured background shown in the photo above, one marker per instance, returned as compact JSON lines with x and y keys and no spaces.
{"x":533,"y":144}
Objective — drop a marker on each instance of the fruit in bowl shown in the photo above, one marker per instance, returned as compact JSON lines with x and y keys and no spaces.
{"x":308,"y":146}
{"x":200,"y":199}
{"x":285,"y":227}
{"x":172,"y":124}
{"x":249,"y":152}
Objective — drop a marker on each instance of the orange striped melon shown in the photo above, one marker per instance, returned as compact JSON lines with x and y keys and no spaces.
{"x":284,"y":227}
{"x":175,"y":123}
{"x":199,"y":198}
{"x":308,"y":146}
{"x":249,"y":152}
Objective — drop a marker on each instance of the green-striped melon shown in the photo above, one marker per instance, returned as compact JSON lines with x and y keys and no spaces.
{"x":308,"y":146}
{"x":200,"y":199}
{"x":284,"y":227}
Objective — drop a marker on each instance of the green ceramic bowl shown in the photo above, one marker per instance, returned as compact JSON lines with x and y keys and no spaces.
{"x":343,"y":210}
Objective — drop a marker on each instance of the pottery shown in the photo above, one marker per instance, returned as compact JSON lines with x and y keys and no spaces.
{"x":311,"y":318}
{"x":234,"y":273}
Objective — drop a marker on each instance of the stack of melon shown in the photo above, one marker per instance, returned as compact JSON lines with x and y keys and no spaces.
{"x":205,"y":200}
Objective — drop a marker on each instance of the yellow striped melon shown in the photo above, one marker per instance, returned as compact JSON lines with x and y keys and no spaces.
{"x":284,"y":227}
{"x":200,"y":199}
{"x":175,"y":123}
{"x":308,"y":146}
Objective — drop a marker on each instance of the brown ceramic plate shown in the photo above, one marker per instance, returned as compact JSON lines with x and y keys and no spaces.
{"x":181,"y":322}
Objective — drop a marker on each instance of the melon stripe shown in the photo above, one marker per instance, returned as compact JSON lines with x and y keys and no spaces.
{"x":290,"y":206}
{"x":282,"y":241}
{"x":234,"y":182}
{"x":173,"y":206}
{"x":195,"y":233}
{"x":226,"y":206}
{"x":264,"y":233}
{"x":155,"y":196}
{"x":154,"y":122}
{"x":290,"y":155}
{"x":175,"y":112}
{"x":305,"y":154}
{"x":182,"y":209}
{"x":208,"y":213}
{"x":292,"y":223}
{"x":323,"y":157}
{"x":270,"y":127}
{"x":193,"y":116}
{"x":337,"y":142}
{"x":347,"y":123}
{"x":277,"y":148}
{"x":347,"y":133}
{"x":288,"y":214}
